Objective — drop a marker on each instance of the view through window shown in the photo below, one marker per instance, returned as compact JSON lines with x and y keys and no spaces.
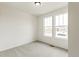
{"x":47,"y":23}
{"x":61,"y":25}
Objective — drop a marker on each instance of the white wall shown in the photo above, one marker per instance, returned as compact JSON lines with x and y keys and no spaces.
{"x":16,"y":27}
{"x":73,"y":29}
{"x":54,"y":41}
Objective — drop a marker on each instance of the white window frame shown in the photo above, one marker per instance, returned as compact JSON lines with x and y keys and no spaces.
{"x":45,"y":26}
{"x":64,"y":27}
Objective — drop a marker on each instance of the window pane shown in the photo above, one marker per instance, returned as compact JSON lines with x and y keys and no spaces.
{"x":57,"y":21}
{"x":66,"y":19}
{"x":48,"y":21}
{"x":48,"y":31}
{"x":61,"y":32}
{"x":47,"y":26}
{"x":61,"y":20}
{"x":61,"y":23}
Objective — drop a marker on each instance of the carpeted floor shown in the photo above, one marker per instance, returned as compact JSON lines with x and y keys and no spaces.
{"x":34,"y":49}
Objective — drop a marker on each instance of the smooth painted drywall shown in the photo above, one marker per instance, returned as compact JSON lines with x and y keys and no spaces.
{"x":73,"y":10}
{"x":63,"y":43}
{"x":16,"y":27}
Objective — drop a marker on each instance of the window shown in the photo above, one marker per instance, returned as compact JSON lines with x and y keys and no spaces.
{"x":61,"y":25}
{"x":47,"y":26}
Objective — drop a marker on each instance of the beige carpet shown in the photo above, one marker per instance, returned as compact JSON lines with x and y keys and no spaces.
{"x":34,"y":49}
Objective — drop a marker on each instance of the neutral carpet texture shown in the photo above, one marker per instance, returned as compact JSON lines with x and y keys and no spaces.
{"x":34,"y":49}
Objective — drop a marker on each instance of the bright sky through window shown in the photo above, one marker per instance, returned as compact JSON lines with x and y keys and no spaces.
{"x":61,"y":25}
{"x":47,"y":22}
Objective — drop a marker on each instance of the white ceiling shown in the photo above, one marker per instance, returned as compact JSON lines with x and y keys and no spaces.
{"x":38,"y":10}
